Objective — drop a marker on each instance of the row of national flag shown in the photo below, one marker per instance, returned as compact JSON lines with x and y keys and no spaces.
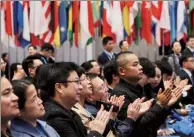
{"x":55,"y":22}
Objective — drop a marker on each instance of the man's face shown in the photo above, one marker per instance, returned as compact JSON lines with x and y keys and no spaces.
{"x":125,"y":46}
{"x":189,"y":64}
{"x":47,"y":53}
{"x":33,"y":108}
{"x":109,"y":46}
{"x":9,"y":101}
{"x":87,"y":86}
{"x":191,"y":42}
{"x":132,"y":71}
{"x":72,"y":90}
{"x":3,"y":65}
{"x":32,"y":51}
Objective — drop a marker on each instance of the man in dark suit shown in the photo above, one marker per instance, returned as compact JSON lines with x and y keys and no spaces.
{"x":189,"y":50}
{"x":187,"y":64}
{"x":64,"y":91}
{"x":107,"y":53}
{"x":130,"y":72}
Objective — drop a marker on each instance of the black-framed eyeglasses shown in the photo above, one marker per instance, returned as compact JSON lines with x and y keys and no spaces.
{"x":77,"y":81}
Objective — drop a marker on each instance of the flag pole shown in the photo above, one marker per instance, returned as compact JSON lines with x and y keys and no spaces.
{"x":163,"y":43}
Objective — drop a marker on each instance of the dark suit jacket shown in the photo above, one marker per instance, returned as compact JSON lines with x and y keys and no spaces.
{"x":146,"y":125}
{"x":66,"y":123}
{"x":187,"y":52}
{"x":189,"y":99}
{"x":103,"y":58}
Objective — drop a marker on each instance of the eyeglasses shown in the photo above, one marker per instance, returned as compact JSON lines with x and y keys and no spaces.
{"x":84,"y":78}
{"x":102,"y":87}
{"x":77,"y":81}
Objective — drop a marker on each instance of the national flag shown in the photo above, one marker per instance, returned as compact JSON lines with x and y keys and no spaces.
{"x":63,"y":22}
{"x":156,"y":14}
{"x":96,"y":12}
{"x":164,"y":23}
{"x":191,"y":18}
{"x":181,"y":20}
{"x":138,"y":24}
{"x":86,"y":23}
{"x":4,"y":36}
{"x":75,"y":12}
{"x":116,"y":21}
{"x":56,"y":31}
{"x":173,"y":20}
{"x":70,"y":22}
{"x":47,"y":37}
{"x":9,"y":26}
{"x":38,"y":24}
{"x":146,"y":22}
{"x":107,"y":28}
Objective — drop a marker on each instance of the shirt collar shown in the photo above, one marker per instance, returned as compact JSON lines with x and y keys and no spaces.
{"x":192,"y":50}
{"x":108,"y":53}
{"x":188,"y":72}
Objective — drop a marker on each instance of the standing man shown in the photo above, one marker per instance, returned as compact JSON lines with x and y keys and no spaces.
{"x":107,"y":53}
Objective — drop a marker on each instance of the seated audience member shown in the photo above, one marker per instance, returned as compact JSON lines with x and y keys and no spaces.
{"x":148,"y":72}
{"x":91,"y":66}
{"x":17,"y":71}
{"x":189,"y":50}
{"x":31,"y":109}
{"x":3,"y":66}
{"x":30,"y":64}
{"x":9,"y":106}
{"x":107,"y":54}
{"x":32,"y":50}
{"x":166,"y":69}
{"x":64,"y":90}
{"x":5,"y":58}
{"x":174,"y":57}
{"x":40,"y":81}
{"x":124,"y":128}
{"x":111,"y":75}
{"x":123,"y":45}
{"x":130,"y":72}
{"x":187,"y":64}
{"x":100,"y":92}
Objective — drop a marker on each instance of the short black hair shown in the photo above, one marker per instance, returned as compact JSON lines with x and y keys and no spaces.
{"x":120,"y":60}
{"x":28,"y":62}
{"x":121,"y":43}
{"x":47,"y":47}
{"x":110,"y":70}
{"x":81,"y":71}
{"x":59,"y":73}
{"x":164,"y":66}
{"x":41,"y":81}
{"x":190,"y":37}
{"x":172,"y":45}
{"x":184,"y":58}
{"x":88,"y":65}
{"x":106,"y":40}
{"x":33,"y":47}
{"x":13,"y":68}
{"x":147,"y":67}
{"x":4,"y":55}
{"x":20,"y":88}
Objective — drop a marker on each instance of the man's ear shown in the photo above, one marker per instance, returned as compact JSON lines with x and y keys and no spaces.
{"x":121,"y":71}
{"x":59,"y":88}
